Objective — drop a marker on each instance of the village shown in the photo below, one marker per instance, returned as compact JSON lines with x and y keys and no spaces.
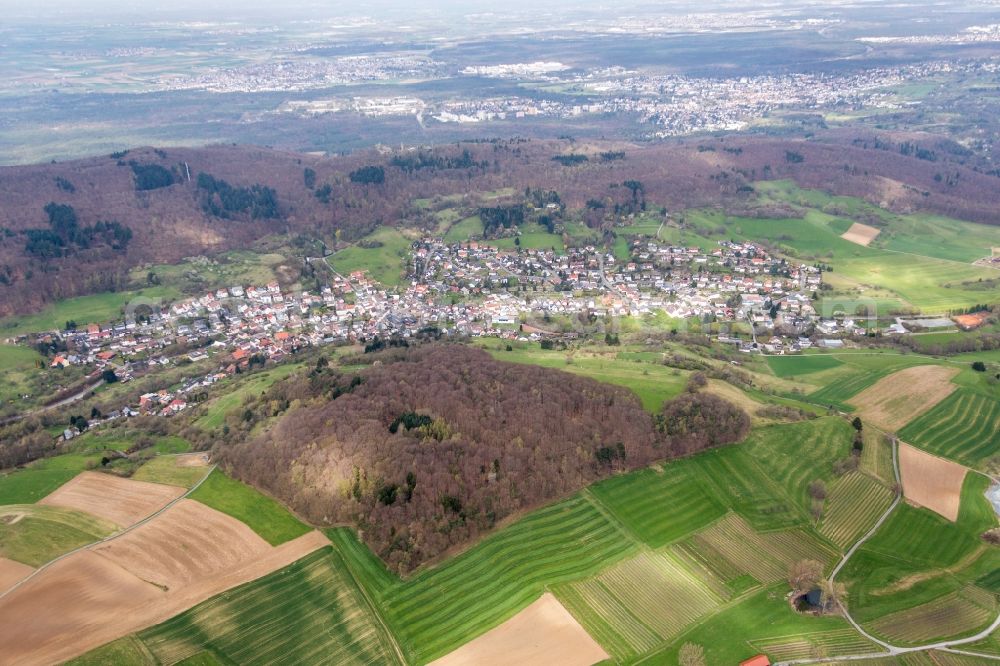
{"x":467,"y":289}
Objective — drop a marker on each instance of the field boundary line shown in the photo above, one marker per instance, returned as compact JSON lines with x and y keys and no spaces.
{"x":606,"y":513}
{"x":110,"y":537}
{"x":371,"y":604}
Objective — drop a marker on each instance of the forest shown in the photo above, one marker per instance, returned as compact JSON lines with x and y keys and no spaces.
{"x":437,"y":443}
{"x":182,"y":202}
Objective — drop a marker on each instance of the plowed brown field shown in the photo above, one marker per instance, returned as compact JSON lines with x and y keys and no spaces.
{"x":122,"y":501}
{"x":187,"y":554}
{"x":11,"y":572}
{"x":543,"y":634}
{"x":894,"y":401}
{"x":931,"y":482}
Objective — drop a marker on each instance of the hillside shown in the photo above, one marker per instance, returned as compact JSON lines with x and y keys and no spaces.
{"x":78,"y":227}
{"x":427,"y":452}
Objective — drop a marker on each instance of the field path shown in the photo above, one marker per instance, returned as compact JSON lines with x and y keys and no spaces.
{"x":107,"y":538}
{"x":890,"y":649}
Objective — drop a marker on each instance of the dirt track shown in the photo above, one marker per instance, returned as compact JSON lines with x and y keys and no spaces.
{"x":894,"y":401}
{"x":931,"y":482}
{"x":122,"y":501}
{"x":180,"y":558}
{"x":543,"y":634}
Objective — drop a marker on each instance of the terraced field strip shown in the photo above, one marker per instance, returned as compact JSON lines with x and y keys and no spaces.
{"x":733,"y":539}
{"x":309,"y":612}
{"x":660,"y":506}
{"x":951,"y":615}
{"x":795,"y":454}
{"x":965,"y":427}
{"x":876,"y":457}
{"x":826,"y":643}
{"x":739,"y":482}
{"x":660,"y":592}
{"x":715,"y":575}
{"x":854,"y":504}
{"x":440,"y":608}
{"x":607,"y":619}
{"x":839,"y":391}
{"x":790,"y":546}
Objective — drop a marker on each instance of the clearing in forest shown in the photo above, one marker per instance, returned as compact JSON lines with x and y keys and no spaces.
{"x":894,"y":401}
{"x":543,"y":634}
{"x":931,"y":482}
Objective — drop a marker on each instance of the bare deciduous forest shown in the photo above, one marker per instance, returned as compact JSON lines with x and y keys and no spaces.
{"x":434,"y":445}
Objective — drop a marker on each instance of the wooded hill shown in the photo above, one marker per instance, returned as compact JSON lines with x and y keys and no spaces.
{"x":159,"y":206}
{"x":434,"y":445}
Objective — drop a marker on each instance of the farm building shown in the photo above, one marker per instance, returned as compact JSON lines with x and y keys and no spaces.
{"x":759,"y":660}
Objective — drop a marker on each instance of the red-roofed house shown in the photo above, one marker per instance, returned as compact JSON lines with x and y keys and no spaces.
{"x":759,"y":660}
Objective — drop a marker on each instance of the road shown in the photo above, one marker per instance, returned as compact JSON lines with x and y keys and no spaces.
{"x":890,"y":649}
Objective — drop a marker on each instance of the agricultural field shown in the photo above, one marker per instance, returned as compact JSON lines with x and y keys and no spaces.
{"x":34,"y":534}
{"x":951,"y":616}
{"x":930,"y":481}
{"x":543,"y":634}
{"x":308,"y":612}
{"x":263,"y":515}
{"x":662,"y":504}
{"x":917,"y":556}
{"x":853,"y":505}
{"x":793,"y":366}
{"x":653,"y":383}
{"x":121,"y":501}
{"x":897,"y":399}
{"x":733,"y":546}
{"x":383,"y":254}
{"x":761,"y":617}
{"x":964,"y":427}
{"x":797,"y":454}
{"x":174,"y":470}
{"x":440,"y":608}
{"x":640,"y":602}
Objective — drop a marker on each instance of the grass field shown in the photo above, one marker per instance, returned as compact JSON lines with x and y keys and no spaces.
{"x":440,"y":608}
{"x":734,"y":633}
{"x":34,"y":534}
{"x":660,"y":505}
{"x":38,"y":479}
{"x":83,"y":310}
{"x":127,"y":651}
{"x":917,"y":556}
{"x":309,"y":612}
{"x":464,"y":229}
{"x":854,"y":503}
{"x":738,"y":482}
{"x":385,"y":261}
{"x":794,"y":455}
{"x":964,"y":427}
{"x":17,"y":363}
{"x":164,"y":469}
{"x":653,"y":383}
{"x":229,"y":400}
{"x":262,"y":514}
{"x":793,"y":366}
